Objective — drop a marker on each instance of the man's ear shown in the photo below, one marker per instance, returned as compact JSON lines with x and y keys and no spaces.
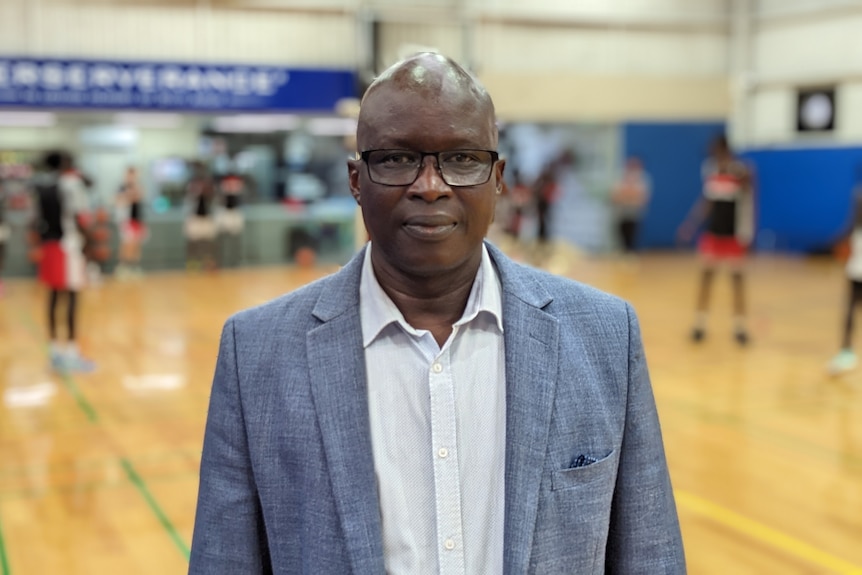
{"x":499,"y":168}
{"x":353,"y":178}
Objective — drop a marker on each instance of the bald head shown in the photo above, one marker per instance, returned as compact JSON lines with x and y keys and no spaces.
{"x":434,"y":72}
{"x":440,"y":82}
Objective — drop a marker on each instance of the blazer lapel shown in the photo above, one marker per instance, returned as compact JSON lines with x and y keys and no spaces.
{"x":532,"y":345}
{"x":338,"y":385}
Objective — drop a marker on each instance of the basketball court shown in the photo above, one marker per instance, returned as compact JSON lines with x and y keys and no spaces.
{"x":98,"y":472}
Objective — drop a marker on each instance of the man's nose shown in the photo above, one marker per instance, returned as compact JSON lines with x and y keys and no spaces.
{"x":429,"y":184}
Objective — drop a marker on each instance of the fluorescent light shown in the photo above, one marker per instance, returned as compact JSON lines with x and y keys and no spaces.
{"x":108,"y":136}
{"x":332,"y":126}
{"x":27,"y":119}
{"x":141,"y":120}
{"x":256,"y":123}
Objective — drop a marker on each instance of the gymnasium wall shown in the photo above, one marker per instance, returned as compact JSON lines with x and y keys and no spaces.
{"x":804,"y":179}
{"x":558,"y":60}
{"x":179,"y":30}
{"x":798,"y":43}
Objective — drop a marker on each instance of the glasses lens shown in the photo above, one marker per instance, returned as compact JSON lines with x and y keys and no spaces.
{"x":466,"y":167}
{"x":393,"y":167}
{"x":457,"y":167}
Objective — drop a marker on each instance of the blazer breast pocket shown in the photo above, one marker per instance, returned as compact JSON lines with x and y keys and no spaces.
{"x":573,"y":477}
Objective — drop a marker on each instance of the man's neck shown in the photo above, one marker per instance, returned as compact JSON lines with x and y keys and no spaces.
{"x":433,"y":304}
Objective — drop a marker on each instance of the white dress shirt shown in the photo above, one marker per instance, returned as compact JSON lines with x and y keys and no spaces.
{"x":438,"y":431}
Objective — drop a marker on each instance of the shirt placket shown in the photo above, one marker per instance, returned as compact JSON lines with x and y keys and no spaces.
{"x":447,"y":484}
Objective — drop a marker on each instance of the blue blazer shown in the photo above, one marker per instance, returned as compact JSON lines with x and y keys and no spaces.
{"x":287,"y":482}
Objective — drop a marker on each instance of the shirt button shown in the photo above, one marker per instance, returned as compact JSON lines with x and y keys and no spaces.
{"x":449,"y":545}
{"x":443,"y":452}
{"x":437,"y":368}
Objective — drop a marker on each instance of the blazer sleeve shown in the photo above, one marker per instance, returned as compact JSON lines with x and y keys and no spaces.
{"x":644,"y":535}
{"x":229,"y":535}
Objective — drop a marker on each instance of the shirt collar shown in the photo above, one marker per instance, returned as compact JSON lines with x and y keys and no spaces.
{"x":377,"y":310}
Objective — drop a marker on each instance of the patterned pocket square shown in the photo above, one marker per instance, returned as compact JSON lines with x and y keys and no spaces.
{"x":582,"y":461}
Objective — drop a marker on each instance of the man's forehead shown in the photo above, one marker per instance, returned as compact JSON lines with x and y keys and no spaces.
{"x":394,"y":99}
{"x":407,"y":121}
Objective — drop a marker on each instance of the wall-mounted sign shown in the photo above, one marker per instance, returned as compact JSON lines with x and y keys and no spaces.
{"x":103,"y":84}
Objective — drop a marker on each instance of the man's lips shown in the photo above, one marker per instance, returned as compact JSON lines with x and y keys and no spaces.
{"x":430,"y":227}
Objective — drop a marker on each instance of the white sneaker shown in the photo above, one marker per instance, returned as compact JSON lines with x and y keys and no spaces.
{"x":58,"y":361}
{"x":843,"y":362}
{"x":74,"y":361}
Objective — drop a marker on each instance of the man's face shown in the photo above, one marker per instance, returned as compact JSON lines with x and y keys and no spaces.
{"x":427,"y":227}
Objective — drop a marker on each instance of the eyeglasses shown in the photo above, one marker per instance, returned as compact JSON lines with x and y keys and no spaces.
{"x":456,"y":167}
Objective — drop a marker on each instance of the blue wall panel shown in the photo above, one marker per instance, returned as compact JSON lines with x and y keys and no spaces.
{"x":804,"y":195}
{"x":672,"y":153}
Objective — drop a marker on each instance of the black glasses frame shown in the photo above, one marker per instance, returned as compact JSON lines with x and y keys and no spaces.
{"x":495,"y":157}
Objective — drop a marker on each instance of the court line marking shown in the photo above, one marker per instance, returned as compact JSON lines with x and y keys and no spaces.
{"x":760,"y":532}
{"x":141,"y":485}
{"x":761,"y":432}
{"x":82,"y":402}
{"x":19,"y":493}
{"x":4,"y":561}
{"x":133,"y":476}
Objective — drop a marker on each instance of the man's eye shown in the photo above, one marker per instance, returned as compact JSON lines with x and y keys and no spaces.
{"x":397,"y":159}
{"x":462,"y":158}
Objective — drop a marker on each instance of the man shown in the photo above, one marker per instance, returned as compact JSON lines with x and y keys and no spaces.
{"x":61,"y":219}
{"x":433,"y":407}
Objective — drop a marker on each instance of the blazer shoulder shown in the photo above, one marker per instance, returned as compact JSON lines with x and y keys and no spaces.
{"x":576,"y":295}
{"x":288,"y":307}
{"x":553,"y":293}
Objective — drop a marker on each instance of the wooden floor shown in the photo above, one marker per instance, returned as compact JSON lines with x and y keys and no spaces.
{"x":98,"y":473}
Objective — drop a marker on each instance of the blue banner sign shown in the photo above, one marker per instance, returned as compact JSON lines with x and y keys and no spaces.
{"x":52,"y":83}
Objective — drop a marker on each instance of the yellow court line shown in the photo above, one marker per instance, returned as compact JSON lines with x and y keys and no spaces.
{"x":765,"y":534}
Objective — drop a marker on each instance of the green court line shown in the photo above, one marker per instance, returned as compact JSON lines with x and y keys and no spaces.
{"x":4,"y":562}
{"x":82,"y":402}
{"x":154,"y":506}
{"x":133,"y":476}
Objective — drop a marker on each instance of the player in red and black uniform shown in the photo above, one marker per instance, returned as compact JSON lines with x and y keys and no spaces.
{"x":727,"y":207}
{"x":60,"y":224}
